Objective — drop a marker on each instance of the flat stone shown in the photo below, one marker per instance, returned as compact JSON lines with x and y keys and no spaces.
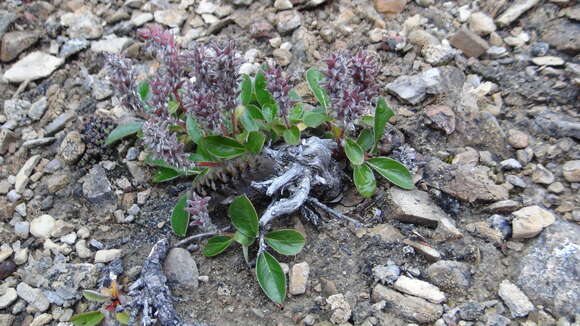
{"x":503,"y":206}
{"x":386,"y":232}
{"x":57,"y":182}
{"x":140,"y":18}
{"x":59,"y":123}
{"x":288,"y":21}
{"x":180,"y":267}
{"x":518,"y":139}
{"x":299,"y":278}
{"x":72,"y":147}
{"x":429,"y":252}
{"x":562,"y":34}
{"x":8,"y":298}
{"x":387,"y":274}
{"x":170,"y":17}
{"x":515,"y":299}
{"x":571,"y":171}
{"x":82,"y":24}
{"x":419,"y":289}
{"x":22,"y":229}
{"x":442,"y":116}
{"x":548,"y":61}
{"x":469,"y":43}
{"x":73,"y":46}
{"x":111,"y":44}
{"x":530,"y":221}
{"x":515,"y":11}
{"x":14,"y":43}
{"x":33,"y":296}
{"x":42,"y":226}
{"x":390,"y":6}
{"x":24,"y":173}
{"x":38,"y":108}
{"x":408,"y":307}
{"x":34,"y":66}
{"x":557,"y":125}
{"x":38,"y":142}
{"x":41,"y":320}
{"x":107,"y":255}
{"x":481,"y":23}
{"x":542,"y":175}
{"x":449,"y":275}
{"x":414,"y":89}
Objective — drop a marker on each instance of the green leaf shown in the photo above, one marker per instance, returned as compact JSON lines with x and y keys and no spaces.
{"x":296,"y":113}
{"x":294,"y":96}
{"x":143,"y":90}
{"x":314,"y":118}
{"x":314,"y":77}
{"x":255,"y":142}
{"x":193,"y":130}
{"x":90,"y":318}
{"x":354,"y":152}
{"x":269,"y":111}
{"x":366,"y":139}
{"x":249,"y":123}
{"x":271,"y":277}
{"x":244,"y":216}
{"x":255,"y":112}
{"x":95,"y":296}
{"x":172,"y":107}
{"x":382,"y":114}
{"x":179,"y":217}
{"x":367,"y":120}
{"x":167,"y":174}
{"x":263,"y":96}
{"x":216,"y":245}
{"x":393,"y":171}
{"x":223,"y":147}
{"x":246,"y":92}
{"x":285,"y":242}
{"x":242,"y":239}
{"x":292,"y":135}
{"x":123,"y":317}
{"x":123,"y":131}
{"x":364,"y":180}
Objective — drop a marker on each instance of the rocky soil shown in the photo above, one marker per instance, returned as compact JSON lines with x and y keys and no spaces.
{"x":486,"y":95}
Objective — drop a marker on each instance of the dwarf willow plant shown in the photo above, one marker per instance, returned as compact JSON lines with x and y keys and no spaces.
{"x":198,"y":112}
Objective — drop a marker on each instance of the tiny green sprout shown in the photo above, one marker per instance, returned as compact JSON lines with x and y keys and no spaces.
{"x":111,"y":298}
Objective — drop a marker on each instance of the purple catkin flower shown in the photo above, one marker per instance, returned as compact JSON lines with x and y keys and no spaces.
{"x":197,"y":207}
{"x":123,"y":77}
{"x":279,"y":86}
{"x":351,"y":84}
{"x":163,"y":143}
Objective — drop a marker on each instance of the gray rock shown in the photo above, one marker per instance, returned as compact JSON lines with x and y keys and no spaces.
{"x":481,"y":23}
{"x":557,"y":125}
{"x":450,"y":275}
{"x":299,"y":278}
{"x":7,"y":137}
{"x":59,"y":123}
{"x":41,"y":320}
{"x":494,"y":319}
{"x":542,"y":175}
{"x":8,"y":298}
{"x":414,"y":89}
{"x":33,"y":143}
{"x":408,"y":307}
{"x":97,"y":188}
{"x":419,"y":289}
{"x":14,"y":43}
{"x":16,"y":109}
{"x":170,"y":17}
{"x":387,"y":274}
{"x":563,"y":34}
{"x":6,"y":18}
{"x":341,"y":310}
{"x":515,"y":11}
{"x":33,"y":296}
{"x":21,"y":229}
{"x":111,"y":44}
{"x":469,"y":43}
{"x":546,"y":268}
{"x":530,"y":221}
{"x":82,"y":24}
{"x":34,"y":66}
{"x":72,"y":147}
{"x":180,"y":267}
{"x":515,"y":299}
{"x":288,"y":21}
{"x":38,"y":108}
{"x":510,"y":164}
{"x":73,"y":46}
{"x":24,"y":173}
{"x":107,"y":255}
{"x":6,"y":319}
{"x":82,"y":250}
{"x":57,"y":182}
{"x":571,"y":171}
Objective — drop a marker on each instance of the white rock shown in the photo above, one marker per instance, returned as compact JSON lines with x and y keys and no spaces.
{"x":33,"y":296}
{"x":548,"y":61}
{"x":34,"y":66}
{"x":105,"y":256}
{"x":24,"y":173}
{"x":70,"y":238}
{"x":111,"y":45}
{"x":530,"y":221}
{"x":571,"y":171}
{"x":299,"y":278}
{"x":420,"y":289}
{"x":170,"y":17}
{"x":8,"y":298}
{"x":42,"y":226}
{"x":283,"y":4}
{"x":515,"y":299}
{"x":21,"y":256}
{"x":5,"y":252}
{"x":341,"y":310}
{"x":82,"y":250}
{"x":139,"y":19}
{"x":513,"y":12}
{"x":206,"y":7}
{"x":480,"y":23}
{"x":41,"y":320}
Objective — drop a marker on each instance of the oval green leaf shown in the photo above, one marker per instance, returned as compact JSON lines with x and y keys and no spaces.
{"x":366,"y":139}
{"x":244,"y":216}
{"x":382,"y":114}
{"x":393,"y":171}
{"x":364,"y":180}
{"x":167,"y":174}
{"x":223,"y":147}
{"x":123,"y":131}
{"x":314,"y":118}
{"x":314,"y":77}
{"x":285,"y":242}
{"x":193,"y":130}
{"x":90,"y":318}
{"x":263,"y":96}
{"x":123,"y":317}
{"x":179,"y":217}
{"x":95,"y":296}
{"x":296,"y":113}
{"x":292,"y":135}
{"x":271,"y":277}
{"x":216,"y":245}
{"x":354,"y":152}
{"x":249,"y":123}
{"x":143,"y":90}
{"x":246,"y":91}
{"x":242,"y":239}
{"x":255,"y":141}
